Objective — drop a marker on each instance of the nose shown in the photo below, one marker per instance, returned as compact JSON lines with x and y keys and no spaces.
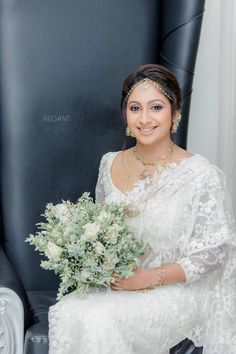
{"x":144,"y":117}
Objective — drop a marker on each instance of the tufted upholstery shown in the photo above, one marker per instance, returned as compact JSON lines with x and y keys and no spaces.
{"x":62,"y":65}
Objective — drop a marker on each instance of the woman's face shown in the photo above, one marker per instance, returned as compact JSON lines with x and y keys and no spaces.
{"x":149,"y":115}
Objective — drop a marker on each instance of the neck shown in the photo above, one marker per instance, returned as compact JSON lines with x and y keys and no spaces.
{"x":152,"y":151}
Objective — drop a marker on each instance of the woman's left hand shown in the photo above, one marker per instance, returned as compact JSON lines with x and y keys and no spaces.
{"x":142,"y":278}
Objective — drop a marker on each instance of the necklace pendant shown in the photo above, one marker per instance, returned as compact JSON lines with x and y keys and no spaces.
{"x":131,"y":211}
{"x":145,"y":174}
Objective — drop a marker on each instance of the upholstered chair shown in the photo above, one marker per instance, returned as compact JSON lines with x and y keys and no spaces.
{"x":62,"y":65}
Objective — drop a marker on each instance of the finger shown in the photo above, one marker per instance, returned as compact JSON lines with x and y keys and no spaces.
{"x":117,"y":279}
{"x":115,"y":287}
{"x":115,"y":283}
{"x":117,"y":276}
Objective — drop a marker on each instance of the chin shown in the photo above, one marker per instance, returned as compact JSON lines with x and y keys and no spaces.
{"x":149,"y":141}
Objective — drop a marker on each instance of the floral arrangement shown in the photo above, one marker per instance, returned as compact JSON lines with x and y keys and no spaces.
{"x":86,"y":242}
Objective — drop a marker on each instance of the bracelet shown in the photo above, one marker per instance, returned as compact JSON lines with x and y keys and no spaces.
{"x":161,"y":274}
{"x":144,"y":290}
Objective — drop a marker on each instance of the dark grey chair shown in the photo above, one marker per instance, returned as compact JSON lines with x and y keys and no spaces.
{"x":61,"y":68}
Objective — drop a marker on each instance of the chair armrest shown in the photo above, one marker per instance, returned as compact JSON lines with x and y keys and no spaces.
{"x":14,"y":309}
{"x":10,"y":280}
{"x":11,"y":322}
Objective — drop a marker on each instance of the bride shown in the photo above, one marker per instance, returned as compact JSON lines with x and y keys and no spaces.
{"x":178,"y":202}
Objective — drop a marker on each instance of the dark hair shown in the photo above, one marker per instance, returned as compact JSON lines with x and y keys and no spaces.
{"x":159,"y":74}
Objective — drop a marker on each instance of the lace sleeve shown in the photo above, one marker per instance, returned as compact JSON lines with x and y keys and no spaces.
{"x":213,"y":228}
{"x":100,"y":190}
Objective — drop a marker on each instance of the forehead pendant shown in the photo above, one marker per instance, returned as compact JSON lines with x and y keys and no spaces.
{"x":144,"y":84}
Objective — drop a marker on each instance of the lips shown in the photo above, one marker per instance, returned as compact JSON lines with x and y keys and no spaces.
{"x":146,"y":131}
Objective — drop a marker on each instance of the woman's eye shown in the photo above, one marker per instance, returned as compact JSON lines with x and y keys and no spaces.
{"x":156,"y":107}
{"x":134,"y":108}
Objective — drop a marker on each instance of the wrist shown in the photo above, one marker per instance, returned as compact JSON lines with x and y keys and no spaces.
{"x":153,"y":279}
{"x":158,"y":276}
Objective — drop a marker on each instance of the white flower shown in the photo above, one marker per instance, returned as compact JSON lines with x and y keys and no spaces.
{"x":114,"y":228}
{"x":111,"y":260}
{"x":103,"y":215}
{"x":53,"y":251}
{"x":99,"y":248}
{"x":91,"y":230}
{"x":62,"y":212}
{"x":84,"y":275}
{"x":207,"y":210}
{"x":210,"y":203}
{"x":223,"y":231}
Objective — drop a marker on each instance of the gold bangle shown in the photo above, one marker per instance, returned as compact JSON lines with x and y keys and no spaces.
{"x":144,"y":290}
{"x":161,"y":274}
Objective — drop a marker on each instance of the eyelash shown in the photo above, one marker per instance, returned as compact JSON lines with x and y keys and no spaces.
{"x":136,"y":108}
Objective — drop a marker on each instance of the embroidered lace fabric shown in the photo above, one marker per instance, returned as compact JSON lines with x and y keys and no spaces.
{"x":185,"y":214}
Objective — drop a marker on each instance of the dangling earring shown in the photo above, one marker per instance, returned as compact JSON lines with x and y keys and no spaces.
{"x":175,"y":124}
{"x":128,"y":132}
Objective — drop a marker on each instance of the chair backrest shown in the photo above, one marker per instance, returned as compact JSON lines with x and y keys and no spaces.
{"x":62,"y":67}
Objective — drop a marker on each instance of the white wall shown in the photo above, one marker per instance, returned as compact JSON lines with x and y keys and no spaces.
{"x":203,"y":127}
{"x":212,"y":124}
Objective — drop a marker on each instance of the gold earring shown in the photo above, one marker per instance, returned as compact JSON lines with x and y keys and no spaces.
{"x":128,"y":132}
{"x":175,"y":124}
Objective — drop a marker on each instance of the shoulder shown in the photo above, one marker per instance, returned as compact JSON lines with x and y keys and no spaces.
{"x":107,"y":158}
{"x":180,"y":154}
{"x":208,"y":165}
{"x":207,"y":171}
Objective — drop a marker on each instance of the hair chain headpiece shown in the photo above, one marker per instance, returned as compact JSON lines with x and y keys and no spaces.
{"x":143,"y":85}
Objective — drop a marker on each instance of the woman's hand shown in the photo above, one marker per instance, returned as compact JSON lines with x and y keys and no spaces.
{"x":142,"y":279}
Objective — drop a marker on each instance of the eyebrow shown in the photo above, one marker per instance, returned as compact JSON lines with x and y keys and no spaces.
{"x":158,"y":99}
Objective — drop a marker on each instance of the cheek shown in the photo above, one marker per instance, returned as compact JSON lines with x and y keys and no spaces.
{"x":130,"y":117}
{"x":167,"y":117}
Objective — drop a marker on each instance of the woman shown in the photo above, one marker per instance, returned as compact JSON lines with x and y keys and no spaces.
{"x":177,"y":202}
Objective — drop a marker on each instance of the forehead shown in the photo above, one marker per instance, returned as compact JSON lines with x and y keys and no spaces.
{"x":145,"y":93}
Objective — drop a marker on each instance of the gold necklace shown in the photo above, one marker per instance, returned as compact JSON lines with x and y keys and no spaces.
{"x":146,"y":173}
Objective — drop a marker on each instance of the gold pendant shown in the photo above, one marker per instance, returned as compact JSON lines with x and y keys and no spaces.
{"x":145,"y":174}
{"x":131,"y":211}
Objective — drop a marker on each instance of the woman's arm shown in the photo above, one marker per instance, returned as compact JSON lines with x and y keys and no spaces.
{"x":148,"y":278}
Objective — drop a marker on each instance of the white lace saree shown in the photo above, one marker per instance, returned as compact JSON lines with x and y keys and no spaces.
{"x":185,"y":215}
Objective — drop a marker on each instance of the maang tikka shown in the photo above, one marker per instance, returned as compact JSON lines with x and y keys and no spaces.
{"x":144,"y":84}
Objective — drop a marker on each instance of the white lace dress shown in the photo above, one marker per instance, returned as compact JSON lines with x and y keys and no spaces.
{"x":185,"y":215}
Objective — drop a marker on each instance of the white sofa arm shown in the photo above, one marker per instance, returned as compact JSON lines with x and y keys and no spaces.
{"x":11,"y":322}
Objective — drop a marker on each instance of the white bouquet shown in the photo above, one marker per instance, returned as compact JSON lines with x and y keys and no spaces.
{"x":85,"y":243}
